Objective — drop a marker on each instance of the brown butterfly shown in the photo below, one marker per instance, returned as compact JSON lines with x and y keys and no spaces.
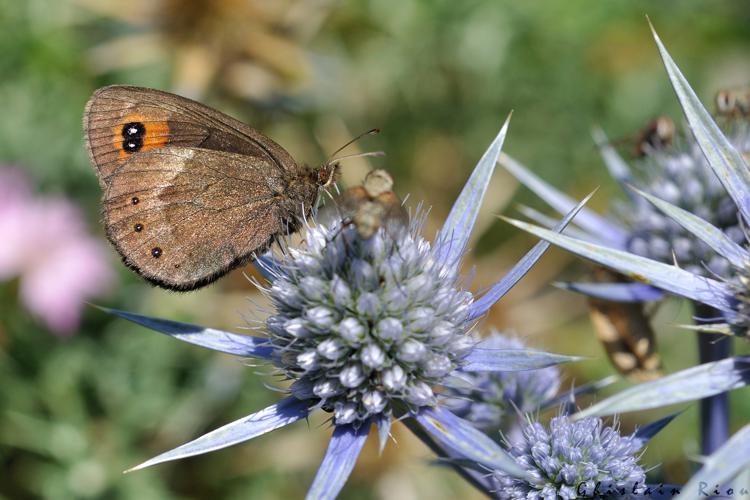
{"x":372,"y":205}
{"x":191,"y":193}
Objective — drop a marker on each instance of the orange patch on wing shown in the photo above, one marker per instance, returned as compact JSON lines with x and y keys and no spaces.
{"x":155,"y":136}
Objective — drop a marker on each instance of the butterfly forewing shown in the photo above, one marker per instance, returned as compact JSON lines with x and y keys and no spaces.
{"x":121,"y":121}
{"x":182,"y":217}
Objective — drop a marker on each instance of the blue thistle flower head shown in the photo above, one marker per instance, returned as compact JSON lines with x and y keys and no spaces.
{"x":568,"y":458}
{"x":491,"y":400}
{"x":366,"y":328}
{"x":681,"y":175}
{"x":363,"y":324}
{"x":677,"y":173}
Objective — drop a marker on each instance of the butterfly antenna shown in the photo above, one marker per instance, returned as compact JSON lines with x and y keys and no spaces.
{"x":328,"y":172}
{"x":357,"y":155}
{"x":331,"y":168}
{"x":373,"y":131}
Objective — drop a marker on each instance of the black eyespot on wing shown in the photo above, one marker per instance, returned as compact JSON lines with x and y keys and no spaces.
{"x":156,"y":252}
{"x":132,"y":136}
{"x":132,"y":130}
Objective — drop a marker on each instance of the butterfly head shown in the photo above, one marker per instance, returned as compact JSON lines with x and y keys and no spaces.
{"x":327,"y":174}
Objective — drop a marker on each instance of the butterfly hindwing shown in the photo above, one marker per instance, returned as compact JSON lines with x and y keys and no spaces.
{"x":182,"y":217}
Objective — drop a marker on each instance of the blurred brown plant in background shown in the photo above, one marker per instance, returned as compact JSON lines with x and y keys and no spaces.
{"x":255,"y":49}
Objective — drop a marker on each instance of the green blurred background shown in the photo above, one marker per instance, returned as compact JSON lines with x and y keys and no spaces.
{"x":438,"y":77}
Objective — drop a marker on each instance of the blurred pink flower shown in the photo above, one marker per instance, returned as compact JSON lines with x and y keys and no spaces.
{"x":46,"y":245}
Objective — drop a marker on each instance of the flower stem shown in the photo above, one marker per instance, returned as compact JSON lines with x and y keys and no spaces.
{"x":714,"y":411}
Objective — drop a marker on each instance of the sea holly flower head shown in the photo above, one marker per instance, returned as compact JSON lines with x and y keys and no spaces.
{"x":568,"y":459}
{"x":362,"y":324}
{"x":492,"y":400}
{"x":677,"y":173}
{"x":366,"y":328}
{"x":680,"y":175}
